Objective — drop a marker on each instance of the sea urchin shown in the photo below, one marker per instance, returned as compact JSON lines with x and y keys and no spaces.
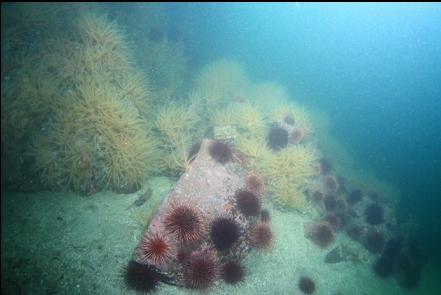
{"x":185,"y":222}
{"x":233,"y":272}
{"x":248,"y":203}
{"x":155,"y":249}
{"x":224,"y":232}
{"x":306,"y":285}
{"x":220,"y":152}
{"x":201,"y":270}
{"x":262,"y":236}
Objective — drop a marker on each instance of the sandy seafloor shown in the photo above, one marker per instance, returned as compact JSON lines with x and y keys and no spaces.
{"x":63,"y":243}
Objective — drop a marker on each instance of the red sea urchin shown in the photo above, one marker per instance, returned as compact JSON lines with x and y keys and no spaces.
{"x":320,"y":233}
{"x":255,"y":184}
{"x":248,"y":203}
{"x":277,"y":138}
{"x":201,"y":270}
{"x":185,"y":222}
{"x":156,"y":249}
{"x":224,"y":232}
{"x":233,"y":272}
{"x":220,"y":152}
{"x":262,"y":236}
{"x":306,"y":285}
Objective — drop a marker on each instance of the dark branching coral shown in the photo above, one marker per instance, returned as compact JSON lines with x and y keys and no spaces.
{"x":224,"y":233}
{"x":374,"y":214}
{"x":306,"y":285}
{"x":233,"y":272}
{"x":220,"y":152}
{"x":277,"y":138}
{"x":248,"y":203}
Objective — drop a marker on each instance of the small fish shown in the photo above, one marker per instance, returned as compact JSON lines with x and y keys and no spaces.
{"x":141,"y":199}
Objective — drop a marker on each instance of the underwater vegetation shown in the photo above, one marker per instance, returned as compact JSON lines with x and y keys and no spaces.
{"x":88,"y":106}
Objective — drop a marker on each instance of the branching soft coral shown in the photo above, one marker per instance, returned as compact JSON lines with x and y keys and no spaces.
{"x":225,"y":78}
{"x":288,"y":174}
{"x":297,"y":113}
{"x":178,"y":128}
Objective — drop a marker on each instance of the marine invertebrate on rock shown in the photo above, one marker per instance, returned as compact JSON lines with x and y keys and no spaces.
{"x":246,"y":118}
{"x":374,"y":214}
{"x":383,"y":267}
{"x":247,"y":203}
{"x":140,"y":278}
{"x":262,"y":236}
{"x":255,"y":184}
{"x":334,"y":220}
{"x":341,"y":205}
{"x":331,"y":183}
{"x":375,"y":241}
{"x":185,"y":222}
{"x":156,"y":249}
{"x":177,"y":125}
{"x":201,"y":269}
{"x":316,"y":196}
{"x":220,"y":152}
{"x":325,"y":166}
{"x":277,"y":138}
{"x":289,"y":120}
{"x":296,"y":136}
{"x":193,"y":151}
{"x":320,"y":233}
{"x":355,"y":232}
{"x":225,"y":78}
{"x":224,"y":232}
{"x":306,"y":285}
{"x":255,"y":149}
{"x":295,"y":111}
{"x":330,"y":203}
{"x":233,"y":272}
{"x":288,"y":174}
{"x":354,"y":196}
{"x":265,"y":215}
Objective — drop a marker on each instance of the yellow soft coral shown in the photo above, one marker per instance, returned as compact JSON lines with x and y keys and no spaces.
{"x":298,"y":113}
{"x":225,"y":78}
{"x":288,"y":174}
{"x":178,"y":128}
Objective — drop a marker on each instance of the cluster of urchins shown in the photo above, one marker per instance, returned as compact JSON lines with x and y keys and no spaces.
{"x":204,"y":250}
{"x":364,"y":218}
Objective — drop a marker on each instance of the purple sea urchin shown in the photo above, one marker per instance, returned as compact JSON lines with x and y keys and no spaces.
{"x":224,"y":233}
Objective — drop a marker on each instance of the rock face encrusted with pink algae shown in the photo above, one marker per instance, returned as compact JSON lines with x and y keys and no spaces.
{"x":205,"y":193}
